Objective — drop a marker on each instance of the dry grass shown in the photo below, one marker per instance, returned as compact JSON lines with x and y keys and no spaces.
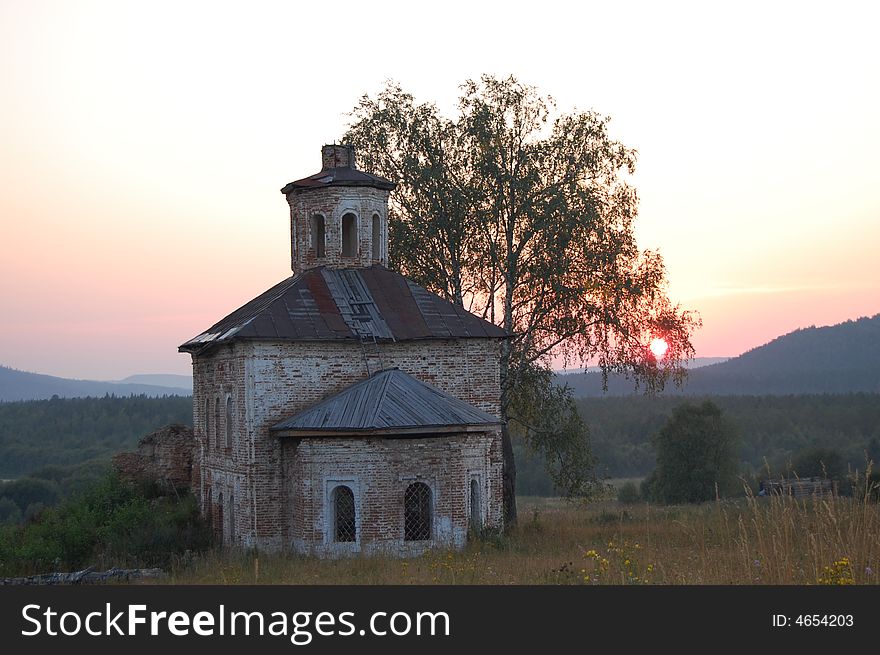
{"x":749,"y":541}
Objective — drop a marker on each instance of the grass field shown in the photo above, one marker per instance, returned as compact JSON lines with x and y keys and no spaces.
{"x":746,"y":541}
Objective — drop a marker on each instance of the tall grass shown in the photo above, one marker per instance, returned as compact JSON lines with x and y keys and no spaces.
{"x":756,"y":540}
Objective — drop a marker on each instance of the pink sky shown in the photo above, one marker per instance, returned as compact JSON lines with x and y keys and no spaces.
{"x":142,"y":149}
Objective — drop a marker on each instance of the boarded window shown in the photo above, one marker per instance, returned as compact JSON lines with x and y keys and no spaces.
{"x":417,"y":512}
{"x":345,"y":527}
{"x":377,"y":238}
{"x":476,"y":513}
{"x":229,"y":422}
{"x":349,"y":235}
{"x":318,"y":235}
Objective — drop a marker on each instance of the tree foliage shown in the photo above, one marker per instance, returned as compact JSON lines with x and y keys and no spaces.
{"x":696,"y":455}
{"x":820,"y":463}
{"x":112,"y":522}
{"x":523,"y":215}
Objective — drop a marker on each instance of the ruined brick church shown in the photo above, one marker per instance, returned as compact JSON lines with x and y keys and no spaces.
{"x":347,"y":409}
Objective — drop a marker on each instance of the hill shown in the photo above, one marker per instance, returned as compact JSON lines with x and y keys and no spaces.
{"x":65,"y":432}
{"x":842,"y":358}
{"x":160,"y":380}
{"x":20,"y":385}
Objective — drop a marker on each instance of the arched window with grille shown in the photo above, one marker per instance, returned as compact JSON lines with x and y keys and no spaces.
{"x":349,"y":235}
{"x":344,"y":516}
{"x":476,"y":510}
{"x":229,"y":422}
{"x":417,"y":512}
{"x":319,"y":238}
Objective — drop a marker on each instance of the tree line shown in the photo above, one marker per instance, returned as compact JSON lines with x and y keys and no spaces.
{"x":67,"y":431}
{"x":776,"y":435}
{"x":51,"y":450}
{"x":774,"y":430}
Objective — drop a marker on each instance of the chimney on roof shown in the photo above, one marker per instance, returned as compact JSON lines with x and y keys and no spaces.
{"x":337,"y":156}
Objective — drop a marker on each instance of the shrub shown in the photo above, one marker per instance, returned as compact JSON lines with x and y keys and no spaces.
{"x":112,"y":522}
{"x":628,"y":493}
{"x":26,"y":491}
{"x":9,"y":512}
{"x":820,"y":463}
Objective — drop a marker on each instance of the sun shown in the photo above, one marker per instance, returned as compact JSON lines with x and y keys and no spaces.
{"x":658,"y":347}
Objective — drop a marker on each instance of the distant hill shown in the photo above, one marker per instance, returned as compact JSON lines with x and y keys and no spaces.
{"x":842,"y":358}
{"x":21,"y":385}
{"x":696,"y":362}
{"x":161,"y":380}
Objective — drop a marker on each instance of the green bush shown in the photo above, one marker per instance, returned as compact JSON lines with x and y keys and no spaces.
{"x":820,"y":463}
{"x":9,"y":512}
{"x":113,"y":523}
{"x":628,"y":493}
{"x":26,"y":491}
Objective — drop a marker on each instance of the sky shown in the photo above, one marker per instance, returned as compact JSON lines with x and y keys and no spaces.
{"x":143,"y":146}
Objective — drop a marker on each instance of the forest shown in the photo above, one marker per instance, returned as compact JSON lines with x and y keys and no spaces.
{"x":50,"y":449}
{"x":53,"y":449}
{"x":774,"y":432}
{"x":66,"y":431}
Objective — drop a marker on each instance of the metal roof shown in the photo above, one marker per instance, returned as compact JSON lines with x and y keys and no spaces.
{"x":340,"y":176}
{"x":389,"y":403}
{"x":342,"y":304}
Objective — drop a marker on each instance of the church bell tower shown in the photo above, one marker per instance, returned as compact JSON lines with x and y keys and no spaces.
{"x":338,"y":216}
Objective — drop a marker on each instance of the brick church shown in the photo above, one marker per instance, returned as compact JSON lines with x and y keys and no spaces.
{"x":347,"y":409}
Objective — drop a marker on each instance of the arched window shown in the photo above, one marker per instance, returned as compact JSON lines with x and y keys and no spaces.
{"x":349,"y":235}
{"x":318,"y":235}
{"x":208,"y":423}
{"x":377,"y":237}
{"x":344,"y":524}
{"x":417,"y":512}
{"x":217,"y":432}
{"x":229,"y":422}
{"x":476,"y":514}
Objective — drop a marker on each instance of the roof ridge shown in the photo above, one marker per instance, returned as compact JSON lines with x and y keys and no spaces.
{"x":388,"y":377}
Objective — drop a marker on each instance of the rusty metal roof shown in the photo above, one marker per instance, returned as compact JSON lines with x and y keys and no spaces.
{"x":390,"y":403}
{"x":341,"y":176}
{"x":342,"y":304}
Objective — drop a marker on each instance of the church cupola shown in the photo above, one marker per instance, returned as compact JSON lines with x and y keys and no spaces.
{"x":338,"y":216}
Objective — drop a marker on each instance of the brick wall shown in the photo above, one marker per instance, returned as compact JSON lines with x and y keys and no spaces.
{"x":225,"y":492}
{"x":378,"y":471}
{"x":270,"y":381}
{"x":164,"y":456}
{"x":333,"y":203}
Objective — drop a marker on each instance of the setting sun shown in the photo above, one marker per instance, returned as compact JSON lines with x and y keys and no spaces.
{"x":658,"y":347}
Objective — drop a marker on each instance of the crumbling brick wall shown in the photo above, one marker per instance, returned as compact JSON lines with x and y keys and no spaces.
{"x":164,"y":456}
